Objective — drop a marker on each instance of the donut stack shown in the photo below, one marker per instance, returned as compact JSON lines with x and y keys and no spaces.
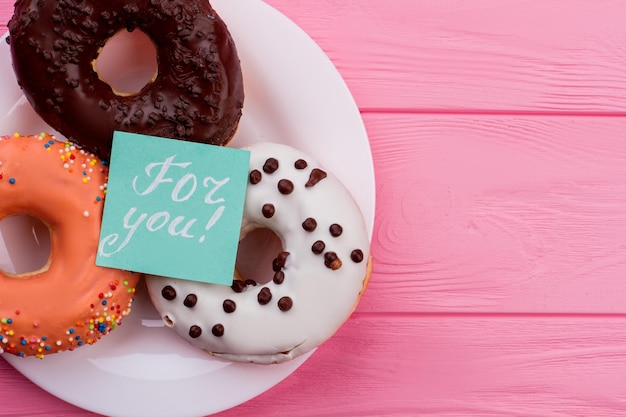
{"x":196,"y":94}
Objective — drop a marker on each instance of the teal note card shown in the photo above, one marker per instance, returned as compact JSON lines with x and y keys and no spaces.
{"x":173,"y":208}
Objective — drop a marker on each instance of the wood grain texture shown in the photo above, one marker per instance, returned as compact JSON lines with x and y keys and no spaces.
{"x":498,"y":214}
{"x":407,"y":366}
{"x":484,"y":55}
{"x":480,"y":55}
{"x":497,"y":130}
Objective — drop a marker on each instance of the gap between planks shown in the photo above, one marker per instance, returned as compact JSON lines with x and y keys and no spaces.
{"x":496,"y":315}
{"x":488,"y":113}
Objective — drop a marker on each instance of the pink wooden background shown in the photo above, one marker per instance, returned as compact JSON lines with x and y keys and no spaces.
{"x":498,"y":130}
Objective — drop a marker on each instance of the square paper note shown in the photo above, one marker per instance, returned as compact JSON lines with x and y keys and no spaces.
{"x":173,"y":208}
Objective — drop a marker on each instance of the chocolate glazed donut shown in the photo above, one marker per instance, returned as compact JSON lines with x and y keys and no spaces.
{"x":197,"y":94}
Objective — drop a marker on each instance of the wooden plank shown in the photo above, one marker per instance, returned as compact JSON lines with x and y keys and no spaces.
{"x":408,"y":365}
{"x":456,"y":366}
{"x":21,"y":398}
{"x":479,"y":56}
{"x":498,"y":214}
{"x":483,"y":55}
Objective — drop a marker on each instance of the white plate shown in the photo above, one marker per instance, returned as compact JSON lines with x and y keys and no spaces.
{"x":294,"y":95}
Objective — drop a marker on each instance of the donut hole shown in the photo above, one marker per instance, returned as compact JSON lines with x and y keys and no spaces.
{"x":24,"y":244}
{"x":127,"y":62}
{"x":255,"y":254}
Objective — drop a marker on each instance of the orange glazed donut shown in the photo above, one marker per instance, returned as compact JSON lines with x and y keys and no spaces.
{"x":69,"y":302}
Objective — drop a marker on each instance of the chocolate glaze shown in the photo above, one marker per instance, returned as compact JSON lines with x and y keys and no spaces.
{"x":197,"y":94}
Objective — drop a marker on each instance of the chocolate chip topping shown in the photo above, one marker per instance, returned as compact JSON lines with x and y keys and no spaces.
{"x":195,"y":331}
{"x":218,"y":330}
{"x":275,"y":266}
{"x":279,"y":262}
{"x":279,"y":277}
{"x":229,"y":306}
{"x":250,"y":282}
{"x":335,"y":230}
{"x":285,"y":186}
{"x":168,"y":293}
{"x":190,"y":300}
{"x":265,"y":296}
{"x":255,"y":176}
{"x":332,"y":261}
{"x":357,"y":256}
{"x":300,"y":164}
{"x":282,"y":257}
{"x":316,"y":176}
{"x":238,"y":286}
{"x":271,"y":165}
{"x":285,"y":304}
{"x":309,"y":224}
{"x":318,"y":247}
{"x":268,"y":210}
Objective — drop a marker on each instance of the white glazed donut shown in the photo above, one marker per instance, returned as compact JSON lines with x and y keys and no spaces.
{"x":319,"y":275}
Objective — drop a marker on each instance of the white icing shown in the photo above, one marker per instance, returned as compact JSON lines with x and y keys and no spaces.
{"x":322,"y":298}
